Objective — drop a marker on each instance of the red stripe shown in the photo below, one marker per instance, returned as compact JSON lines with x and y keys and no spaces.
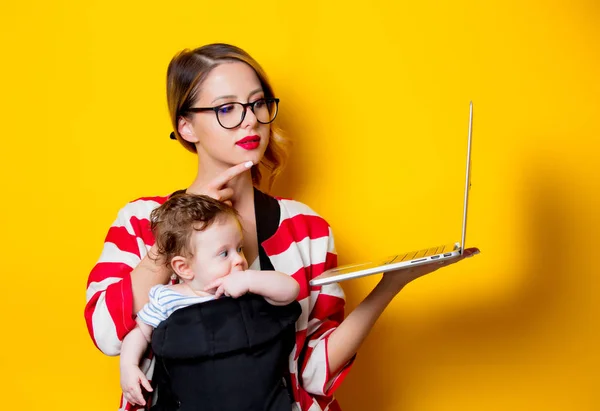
{"x":119,"y":301}
{"x":142,"y":229}
{"x":293,"y":230}
{"x":328,"y":306}
{"x":341,"y":376}
{"x":89,"y":311}
{"x":123,"y":240}
{"x":102,"y":271}
{"x":301,"y":277}
{"x":305,"y":273}
{"x":158,"y":199}
{"x":331,"y":261}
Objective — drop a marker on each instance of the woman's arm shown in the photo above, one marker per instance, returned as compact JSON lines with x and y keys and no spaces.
{"x":148,"y":273}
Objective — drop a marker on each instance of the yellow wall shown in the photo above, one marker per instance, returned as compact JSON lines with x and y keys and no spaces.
{"x":376,"y":97}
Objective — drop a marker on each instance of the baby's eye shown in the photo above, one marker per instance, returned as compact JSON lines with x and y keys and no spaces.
{"x":240,"y":249}
{"x":224,"y":254}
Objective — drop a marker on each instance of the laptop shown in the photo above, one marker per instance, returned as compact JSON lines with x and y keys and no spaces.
{"x":431,"y":255}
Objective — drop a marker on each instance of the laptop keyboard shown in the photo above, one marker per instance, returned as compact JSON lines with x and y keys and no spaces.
{"x":422,"y":253}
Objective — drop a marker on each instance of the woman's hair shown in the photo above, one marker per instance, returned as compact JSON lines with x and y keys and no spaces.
{"x":185,"y":75}
{"x":174,"y":222}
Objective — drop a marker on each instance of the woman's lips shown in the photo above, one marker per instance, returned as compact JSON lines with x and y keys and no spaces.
{"x":249,"y":142}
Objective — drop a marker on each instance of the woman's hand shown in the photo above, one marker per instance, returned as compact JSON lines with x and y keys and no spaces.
{"x":218,"y":189}
{"x":345,"y":340}
{"x":397,"y":280}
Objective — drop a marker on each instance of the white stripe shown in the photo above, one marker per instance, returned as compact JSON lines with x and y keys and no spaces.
{"x":317,"y":341}
{"x":95,"y":287}
{"x":112,"y":254}
{"x":291,"y":208}
{"x":331,"y":244}
{"x":313,"y":325}
{"x":143,"y":247}
{"x":147,"y":367}
{"x":334,"y":290}
{"x":164,"y":301}
{"x":314,"y":406}
{"x":105,"y":332}
{"x":301,"y":254}
{"x":313,"y":377}
{"x":140,"y":209}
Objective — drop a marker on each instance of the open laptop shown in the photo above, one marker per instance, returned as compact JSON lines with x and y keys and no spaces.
{"x":432,"y":255}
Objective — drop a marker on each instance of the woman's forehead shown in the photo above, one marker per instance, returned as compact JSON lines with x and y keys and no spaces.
{"x":229,"y":80}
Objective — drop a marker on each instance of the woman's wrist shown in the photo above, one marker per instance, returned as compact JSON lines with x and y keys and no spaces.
{"x":388,"y":287}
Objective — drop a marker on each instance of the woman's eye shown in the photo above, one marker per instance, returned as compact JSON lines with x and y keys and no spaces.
{"x":259,"y":103}
{"x":226,"y":109}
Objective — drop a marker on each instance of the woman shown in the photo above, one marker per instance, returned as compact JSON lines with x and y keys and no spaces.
{"x":222,"y":108}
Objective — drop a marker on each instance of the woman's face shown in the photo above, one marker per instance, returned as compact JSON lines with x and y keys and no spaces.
{"x":216,"y":145}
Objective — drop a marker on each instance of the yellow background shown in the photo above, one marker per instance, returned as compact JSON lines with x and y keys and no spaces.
{"x":375,"y":95}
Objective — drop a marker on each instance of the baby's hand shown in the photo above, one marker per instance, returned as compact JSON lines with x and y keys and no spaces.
{"x":233,"y":285}
{"x":131,"y":379}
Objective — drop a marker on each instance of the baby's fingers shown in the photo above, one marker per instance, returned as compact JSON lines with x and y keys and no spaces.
{"x":215,"y":284}
{"x":144,"y":381}
{"x":134,"y":396}
{"x":220,"y":291}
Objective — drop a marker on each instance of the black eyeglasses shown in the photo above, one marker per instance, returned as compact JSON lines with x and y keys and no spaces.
{"x":231,"y":115}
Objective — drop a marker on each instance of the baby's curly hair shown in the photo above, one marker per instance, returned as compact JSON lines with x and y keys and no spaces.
{"x":174,"y":222}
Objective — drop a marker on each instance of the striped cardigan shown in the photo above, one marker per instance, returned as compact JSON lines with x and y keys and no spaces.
{"x":302,"y":246}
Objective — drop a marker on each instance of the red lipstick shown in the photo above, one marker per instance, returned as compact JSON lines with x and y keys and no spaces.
{"x":249,"y":142}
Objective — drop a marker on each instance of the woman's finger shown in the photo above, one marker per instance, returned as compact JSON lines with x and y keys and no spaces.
{"x":470,"y":252}
{"x":225,"y":194}
{"x":227,"y":175}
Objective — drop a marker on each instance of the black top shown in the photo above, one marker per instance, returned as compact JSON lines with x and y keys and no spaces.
{"x":226,"y":355}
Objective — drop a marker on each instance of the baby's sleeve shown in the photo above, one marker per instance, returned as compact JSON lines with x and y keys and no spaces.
{"x":153,"y":313}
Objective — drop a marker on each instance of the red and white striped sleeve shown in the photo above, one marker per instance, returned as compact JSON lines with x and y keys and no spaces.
{"x":109,"y":297}
{"x":327,"y":312}
{"x":304,"y":247}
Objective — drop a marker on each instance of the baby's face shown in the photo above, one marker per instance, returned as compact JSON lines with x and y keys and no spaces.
{"x":217,"y":251}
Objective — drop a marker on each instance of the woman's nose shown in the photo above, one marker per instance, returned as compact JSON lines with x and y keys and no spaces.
{"x":249,"y":118}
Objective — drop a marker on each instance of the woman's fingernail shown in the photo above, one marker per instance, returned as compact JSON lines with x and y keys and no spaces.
{"x":248,"y":164}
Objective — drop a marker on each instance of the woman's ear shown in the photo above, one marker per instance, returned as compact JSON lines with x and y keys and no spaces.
{"x":186,"y":131}
{"x":182,"y":268}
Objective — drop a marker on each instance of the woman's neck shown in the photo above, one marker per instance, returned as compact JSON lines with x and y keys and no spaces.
{"x":242,"y":186}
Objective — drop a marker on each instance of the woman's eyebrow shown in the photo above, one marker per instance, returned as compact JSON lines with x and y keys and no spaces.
{"x":223,"y":97}
{"x":258,"y":90}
